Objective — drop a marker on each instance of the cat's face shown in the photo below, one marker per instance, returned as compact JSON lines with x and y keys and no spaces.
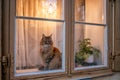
{"x":46,"y":40}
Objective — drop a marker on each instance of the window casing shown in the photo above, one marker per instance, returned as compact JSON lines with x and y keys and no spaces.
{"x":64,"y":30}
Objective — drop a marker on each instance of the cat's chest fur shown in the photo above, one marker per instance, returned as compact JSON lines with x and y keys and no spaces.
{"x":47,"y":50}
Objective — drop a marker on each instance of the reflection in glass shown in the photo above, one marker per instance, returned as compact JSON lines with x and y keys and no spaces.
{"x":92,"y":11}
{"x":79,"y":10}
{"x":52,"y":9}
{"x":39,"y":46}
{"x":89,"y":45}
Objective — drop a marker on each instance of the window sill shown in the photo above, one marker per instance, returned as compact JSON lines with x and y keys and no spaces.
{"x":80,"y":75}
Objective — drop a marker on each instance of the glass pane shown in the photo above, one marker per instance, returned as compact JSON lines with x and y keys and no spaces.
{"x":39,"y":46}
{"x":92,"y":11}
{"x":90,"y":46}
{"x":40,"y":8}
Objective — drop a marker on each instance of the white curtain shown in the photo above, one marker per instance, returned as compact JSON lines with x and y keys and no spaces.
{"x":29,"y":32}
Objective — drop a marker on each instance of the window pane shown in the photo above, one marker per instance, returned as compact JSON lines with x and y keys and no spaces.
{"x":92,"y":11}
{"x":52,"y":9}
{"x":90,"y":46}
{"x":39,"y":46}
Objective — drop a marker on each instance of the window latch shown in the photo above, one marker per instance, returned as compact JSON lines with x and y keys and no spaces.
{"x":4,"y":61}
{"x":114,"y":56}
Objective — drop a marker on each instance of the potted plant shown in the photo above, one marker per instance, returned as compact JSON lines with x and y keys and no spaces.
{"x":86,"y":52}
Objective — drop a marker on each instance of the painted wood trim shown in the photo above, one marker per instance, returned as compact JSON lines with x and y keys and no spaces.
{"x":32,"y":18}
{"x":81,"y":75}
{"x":117,"y":35}
{"x":5,"y":34}
{"x":109,"y":24}
{"x":87,"y":23}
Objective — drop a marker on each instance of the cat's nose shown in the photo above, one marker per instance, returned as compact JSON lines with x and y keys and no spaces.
{"x":47,"y":42}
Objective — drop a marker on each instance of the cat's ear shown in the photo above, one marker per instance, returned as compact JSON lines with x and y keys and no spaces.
{"x":50,"y":35}
{"x":43,"y":35}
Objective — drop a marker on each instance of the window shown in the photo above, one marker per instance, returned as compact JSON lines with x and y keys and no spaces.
{"x":40,"y":36}
{"x":55,"y":37}
{"x":90,"y":34}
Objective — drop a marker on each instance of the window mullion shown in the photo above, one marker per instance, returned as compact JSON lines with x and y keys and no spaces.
{"x":33,"y":18}
{"x":87,"y":23}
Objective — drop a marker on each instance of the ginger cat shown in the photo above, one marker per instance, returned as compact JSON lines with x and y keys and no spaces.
{"x":50,"y":55}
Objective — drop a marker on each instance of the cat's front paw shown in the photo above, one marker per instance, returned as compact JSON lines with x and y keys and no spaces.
{"x":41,"y":67}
